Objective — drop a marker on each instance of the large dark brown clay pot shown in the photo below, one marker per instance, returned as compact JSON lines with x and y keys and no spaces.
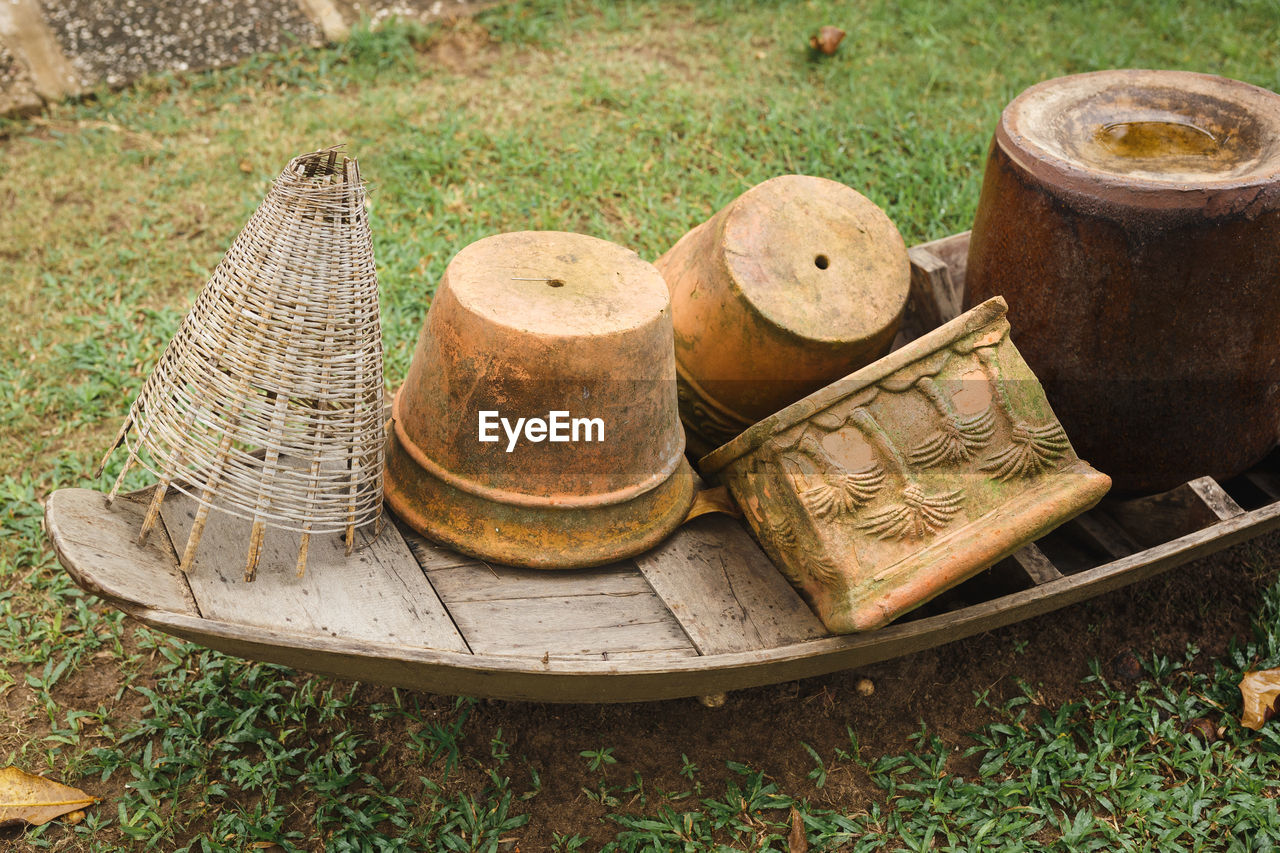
{"x":568,"y":330}
{"x":1132,"y":221}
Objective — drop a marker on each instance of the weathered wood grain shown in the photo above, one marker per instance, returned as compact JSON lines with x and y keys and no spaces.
{"x":1215,"y":498}
{"x":579,"y":625}
{"x":429,"y":555}
{"x":643,"y":677}
{"x":603,"y":612}
{"x":1037,"y":566}
{"x":724,"y":590}
{"x":937,"y":285}
{"x":495,"y":582}
{"x":378,"y":593}
{"x":954,"y":252}
{"x":98,"y":545}
{"x":457,"y":577}
{"x":1105,"y":534}
{"x":933,"y":295}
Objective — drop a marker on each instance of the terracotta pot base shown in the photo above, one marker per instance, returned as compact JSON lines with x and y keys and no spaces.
{"x":797,"y":282}
{"x":524,"y":328}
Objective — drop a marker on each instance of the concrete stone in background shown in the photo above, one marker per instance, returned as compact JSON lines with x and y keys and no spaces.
{"x":116,"y":42}
{"x":378,"y":11}
{"x":52,"y":49}
{"x":17,"y":90}
{"x":37,"y":64}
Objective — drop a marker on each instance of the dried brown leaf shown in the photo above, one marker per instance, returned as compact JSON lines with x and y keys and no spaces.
{"x":35,"y":800}
{"x":827,"y":40}
{"x":797,"y":841}
{"x":1261,"y":692}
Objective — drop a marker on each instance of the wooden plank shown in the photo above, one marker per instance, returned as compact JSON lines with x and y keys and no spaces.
{"x":570,"y":626}
{"x":429,"y":555}
{"x":641,"y":678}
{"x":724,"y":590}
{"x":954,"y":252}
{"x":1037,"y":566}
{"x":457,"y":577}
{"x":649,"y":656}
{"x":936,"y":286}
{"x":1218,"y":501}
{"x":98,"y":545}
{"x":1105,"y":534}
{"x":933,"y":297}
{"x":607,"y":612}
{"x":1158,"y":518}
{"x":378,"y":593}
{"x":478,"y":581}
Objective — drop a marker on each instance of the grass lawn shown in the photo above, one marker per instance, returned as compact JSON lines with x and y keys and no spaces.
{"x":631,"y":121}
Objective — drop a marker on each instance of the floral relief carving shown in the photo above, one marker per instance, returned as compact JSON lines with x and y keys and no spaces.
{"x":704,"y":419}
{"x":893,"y":484}
{"x":918,"y":514}
{"x":1032,"y":449}
{"x":957,"y":438}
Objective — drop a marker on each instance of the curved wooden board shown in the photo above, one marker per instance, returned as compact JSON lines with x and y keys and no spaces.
{"x":588,"y":679}
{"x":85,"y":535}
{"x":377,"y":593}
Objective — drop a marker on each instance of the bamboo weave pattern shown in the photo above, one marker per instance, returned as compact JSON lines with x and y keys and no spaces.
{"x":267,"y":404}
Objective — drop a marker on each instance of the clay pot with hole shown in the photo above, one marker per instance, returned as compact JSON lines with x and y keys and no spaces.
{"x":796,"y":283}
{"x":1132,"y":221}
{"x":538,"y":424}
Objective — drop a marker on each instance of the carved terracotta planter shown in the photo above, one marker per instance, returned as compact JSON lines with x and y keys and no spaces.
{"x":1132,"y":220}
{"x":524,"y":326}
{"x":905,"y":478}
{"x":797,"y":282}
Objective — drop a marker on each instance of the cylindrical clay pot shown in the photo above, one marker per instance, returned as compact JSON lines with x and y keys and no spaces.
{"x":1132,"y":221}
{"x":525,"y":326}
{"x":796,"y":283}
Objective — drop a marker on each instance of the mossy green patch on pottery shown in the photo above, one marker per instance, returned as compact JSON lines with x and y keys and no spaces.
{"x":903,"y":479}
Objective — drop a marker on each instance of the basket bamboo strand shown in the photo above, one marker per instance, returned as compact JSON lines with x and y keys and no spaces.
{"x":267,"y":403}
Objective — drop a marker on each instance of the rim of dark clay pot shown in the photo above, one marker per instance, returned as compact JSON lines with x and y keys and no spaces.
{"x":1172,"y":140}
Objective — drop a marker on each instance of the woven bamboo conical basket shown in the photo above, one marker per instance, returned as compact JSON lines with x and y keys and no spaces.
{"x":267,"y":404}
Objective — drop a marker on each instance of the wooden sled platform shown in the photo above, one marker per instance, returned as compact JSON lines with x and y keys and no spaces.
{"x":704,"y":613}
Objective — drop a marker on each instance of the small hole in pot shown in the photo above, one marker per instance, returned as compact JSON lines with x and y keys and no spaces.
{"x":555,"y":282}
{"x":821,"y":262}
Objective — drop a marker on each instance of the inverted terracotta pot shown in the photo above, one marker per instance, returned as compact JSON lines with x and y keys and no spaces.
{"x":882,"y":490}
{"x":797,"y":282}
{"x":1132,"y":220}
{"x":527,"y":325}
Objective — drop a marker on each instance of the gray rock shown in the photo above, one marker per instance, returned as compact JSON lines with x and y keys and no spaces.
{"x":116,"y":42}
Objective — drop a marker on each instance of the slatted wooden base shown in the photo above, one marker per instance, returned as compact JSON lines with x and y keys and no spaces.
{"x":704,"y":613}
